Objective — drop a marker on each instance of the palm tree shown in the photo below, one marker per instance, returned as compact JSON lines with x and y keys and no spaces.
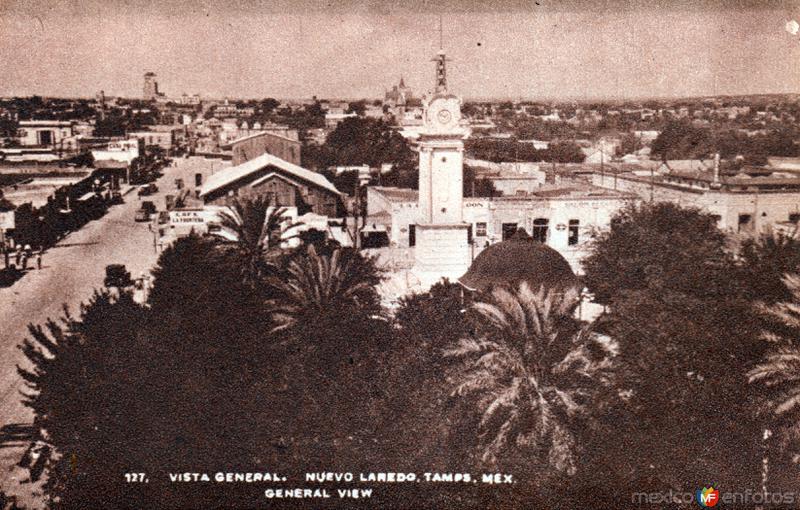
{"x":317,"y":288}
{"x":535,"y":370}
{"x":258,"y":228}
{"x":779,"y":372}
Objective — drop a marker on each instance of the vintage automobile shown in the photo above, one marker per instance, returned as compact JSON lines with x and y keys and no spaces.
{"x":141,"y":215}
{"x":117,"y":276}
{"x":148,"y":206}
{"x":147,"y":189}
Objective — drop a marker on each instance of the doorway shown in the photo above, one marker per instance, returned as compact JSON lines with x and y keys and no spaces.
{"x":509,"y":229}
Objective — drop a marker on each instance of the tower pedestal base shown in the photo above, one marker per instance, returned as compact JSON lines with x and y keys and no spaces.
{"x":442,"y":251}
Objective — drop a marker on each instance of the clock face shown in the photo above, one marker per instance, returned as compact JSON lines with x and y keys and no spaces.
{"x":443,"y":113}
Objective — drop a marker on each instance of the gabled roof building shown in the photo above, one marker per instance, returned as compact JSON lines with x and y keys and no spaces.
{"x":286,"y":185}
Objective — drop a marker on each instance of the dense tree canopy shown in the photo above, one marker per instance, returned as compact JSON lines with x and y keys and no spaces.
{"x":680,"y":139}
{"x":358,"y":141}
{"x":513,"y":150}
{"x":686,"y":340}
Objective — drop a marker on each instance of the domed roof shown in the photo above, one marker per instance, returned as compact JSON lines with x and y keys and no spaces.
{"x":516,"y":260}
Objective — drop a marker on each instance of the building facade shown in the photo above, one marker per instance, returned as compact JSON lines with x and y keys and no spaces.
{"x":256,"y":144}
{"x":284,"y":183}
{"x":740,"y":204}
{"x":44,"y":133}
{"x":563,"y":219}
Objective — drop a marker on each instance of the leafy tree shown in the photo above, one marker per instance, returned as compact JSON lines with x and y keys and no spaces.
{"x":181,"y":385}
{"x":8,"y":127}
{"x":475,"y":187}
{"x":655,"y":245}
{"x":765,"y":259}
{"x":681,"y":140}
{"x":345,"y":182}
{"x":434,"y":318}
{"x":564,"y":152}
{"x":269,"y":104}
{"x":357,"y":107}
{"x":80,"y":421}
{"x":535,"y":371}
{"x":359,"y":141}
{"x":629,"y":144}
{"x":112,"y":125}
{"x":674,"y":303}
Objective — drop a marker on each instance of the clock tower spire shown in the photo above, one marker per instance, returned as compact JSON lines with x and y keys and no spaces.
{"x":442,"y":248}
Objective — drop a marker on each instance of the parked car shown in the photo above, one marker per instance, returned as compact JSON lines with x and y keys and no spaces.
{"x":141,"y":215}
{"x":148,"y":206}
{"x":117,"y":276}
{"x":9,"y":275}
{"x":116,"y":197}
{"x":147,"y":189}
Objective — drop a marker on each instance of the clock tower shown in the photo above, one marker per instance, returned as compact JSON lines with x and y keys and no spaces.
{"x":442,"y":245}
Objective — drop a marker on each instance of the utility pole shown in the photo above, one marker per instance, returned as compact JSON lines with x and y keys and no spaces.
{"x":602,"y":168}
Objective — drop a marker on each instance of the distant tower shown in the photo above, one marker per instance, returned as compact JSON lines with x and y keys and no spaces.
{"x":150,"y":91}
{"x":101,"y":103}
{"x":442,"y":246}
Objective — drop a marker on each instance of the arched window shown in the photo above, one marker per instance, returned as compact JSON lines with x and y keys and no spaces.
{"x":540,"y":227}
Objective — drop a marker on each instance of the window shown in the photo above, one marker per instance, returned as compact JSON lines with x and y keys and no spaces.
{"x":745,"y":222}
{"x":574,"y":236}
{"x":412,"y":235}
{"x":509,"y":229}
{"x":794,"y":218}
{"x":480,"y":229}
{"x":540,"y":227}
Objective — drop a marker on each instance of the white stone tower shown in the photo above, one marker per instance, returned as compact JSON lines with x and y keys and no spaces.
{"x":442,"y":247}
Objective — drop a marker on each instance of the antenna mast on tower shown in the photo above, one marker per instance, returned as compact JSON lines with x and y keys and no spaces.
{"x":440,"y":32}
{"x":441,"y":70}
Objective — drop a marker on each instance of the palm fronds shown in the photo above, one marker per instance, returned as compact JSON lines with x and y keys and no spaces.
{"x":533,"y":370}
{"x":316,"y":285}
{"x":779,"y":373}
{"x":258,"y":227}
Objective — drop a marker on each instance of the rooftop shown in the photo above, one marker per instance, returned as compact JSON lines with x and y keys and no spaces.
{"x":397,"y":194}
{"x":519,"y":259}
{"x":234,"y":173}
{"x":262,"y":133}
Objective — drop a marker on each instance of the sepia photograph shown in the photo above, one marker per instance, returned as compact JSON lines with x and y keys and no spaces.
{"x":430,"y":254}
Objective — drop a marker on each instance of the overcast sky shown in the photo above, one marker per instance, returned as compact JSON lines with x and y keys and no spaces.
{"x":358,"y":48}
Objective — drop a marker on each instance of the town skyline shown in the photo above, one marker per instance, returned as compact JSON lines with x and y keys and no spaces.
{"x":514,"y":51}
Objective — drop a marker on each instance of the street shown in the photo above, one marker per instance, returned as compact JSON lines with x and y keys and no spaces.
{"x":70,"y":271}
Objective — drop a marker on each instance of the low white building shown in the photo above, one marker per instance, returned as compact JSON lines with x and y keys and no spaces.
{"x":208,"y":220}
{"x":47,"y":133}
{"x":120,"y":150}
{"x":740,"y":203}
{"x":563,"y":217}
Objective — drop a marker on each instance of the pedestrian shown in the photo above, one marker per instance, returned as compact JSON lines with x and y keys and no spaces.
{"x":39,"y":258}
{"x":18,"y":256}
